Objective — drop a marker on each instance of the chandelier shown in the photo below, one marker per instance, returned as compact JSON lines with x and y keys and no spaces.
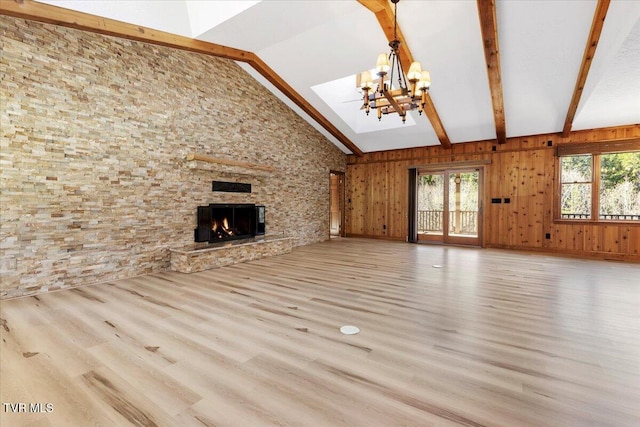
{"x":389,"y":97}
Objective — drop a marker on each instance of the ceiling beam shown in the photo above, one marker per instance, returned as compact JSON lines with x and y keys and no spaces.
{"x":589,"y":52}
{"x":489,"y":28}
{"x":385,"y":15}
{"x":31,"y":10}
{"x":34,"y":11}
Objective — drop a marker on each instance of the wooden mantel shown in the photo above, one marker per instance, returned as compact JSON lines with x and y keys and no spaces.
{"x":192,"y":157}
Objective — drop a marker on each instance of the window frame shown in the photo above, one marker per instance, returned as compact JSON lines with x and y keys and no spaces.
{"x":594,"y":149}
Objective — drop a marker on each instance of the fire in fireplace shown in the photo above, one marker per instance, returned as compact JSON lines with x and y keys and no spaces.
{"x":219,"y":222}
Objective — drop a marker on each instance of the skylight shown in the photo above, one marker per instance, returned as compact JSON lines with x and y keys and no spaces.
{"x":344,"y":98}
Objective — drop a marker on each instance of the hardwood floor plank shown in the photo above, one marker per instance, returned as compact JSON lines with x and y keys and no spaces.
{"x":164,"y":392}
{"x":492,"y":338}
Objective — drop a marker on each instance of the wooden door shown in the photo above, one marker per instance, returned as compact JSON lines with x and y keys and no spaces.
{"x":450,"y":207}
{"x":336,"y":204}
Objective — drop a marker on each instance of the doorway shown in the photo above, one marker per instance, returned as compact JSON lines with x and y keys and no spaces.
{"x":336,"y":204}
{"x":449,"y":206}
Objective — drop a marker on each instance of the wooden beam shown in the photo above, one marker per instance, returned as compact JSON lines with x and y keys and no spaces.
{"x":374,"y":6}
{"x":31,"y":10}
{"x":34,"y":11}
{"x":385,"y":16}
{"x":489,"y":28}
{"x":589,"y":52}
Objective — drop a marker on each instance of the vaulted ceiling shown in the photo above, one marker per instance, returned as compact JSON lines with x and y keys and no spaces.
{"x":498,"y":69}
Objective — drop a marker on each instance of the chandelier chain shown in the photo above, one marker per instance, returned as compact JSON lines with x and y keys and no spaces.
{"x":395,"y":21}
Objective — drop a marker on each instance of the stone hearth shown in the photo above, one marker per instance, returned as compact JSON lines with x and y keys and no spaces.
{"x":204,"y":256}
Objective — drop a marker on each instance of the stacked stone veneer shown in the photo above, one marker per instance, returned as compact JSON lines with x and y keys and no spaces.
{"x":197,"y":257}
{"x":95,"y":130}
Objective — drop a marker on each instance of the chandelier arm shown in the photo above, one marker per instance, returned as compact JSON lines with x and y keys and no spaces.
{"x":401,"y":77}
{"x":394,"y":48}
{"x":392,"y":59}
{"x":394,"y":103}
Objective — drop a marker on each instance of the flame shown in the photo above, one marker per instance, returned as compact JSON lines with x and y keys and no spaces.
{"x":221,"y":228}
{"x":225,"y":227}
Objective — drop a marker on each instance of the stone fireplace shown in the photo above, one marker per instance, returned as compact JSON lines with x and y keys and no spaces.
{"x":219,"y":222}
{"x":236,"y":225}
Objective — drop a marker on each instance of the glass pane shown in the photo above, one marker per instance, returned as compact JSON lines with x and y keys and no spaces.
{"x":430,"y":203}
{"x":576,"y":169}
{"x":620,"y":186}
{"x":463,"y":204}
{"x":575,"y":201}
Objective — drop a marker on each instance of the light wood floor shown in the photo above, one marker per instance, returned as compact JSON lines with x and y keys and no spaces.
{"x":493,"y":338}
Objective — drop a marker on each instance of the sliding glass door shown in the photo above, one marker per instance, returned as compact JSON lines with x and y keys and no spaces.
{"x":449,"y":208}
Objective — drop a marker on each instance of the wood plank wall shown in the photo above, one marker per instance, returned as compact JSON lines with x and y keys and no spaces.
{"x":523,"y":169}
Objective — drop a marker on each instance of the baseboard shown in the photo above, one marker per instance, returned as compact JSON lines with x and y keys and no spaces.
{"x":606,"y":256}
{"x":369,"y":236}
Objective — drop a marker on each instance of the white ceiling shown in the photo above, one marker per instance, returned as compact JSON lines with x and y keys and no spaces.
{"x":312,"y":43}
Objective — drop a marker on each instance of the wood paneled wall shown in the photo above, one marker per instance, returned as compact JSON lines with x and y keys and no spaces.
{"x":523,"y":169}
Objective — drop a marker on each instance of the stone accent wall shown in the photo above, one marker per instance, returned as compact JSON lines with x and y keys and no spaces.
{"x":95,"y":130}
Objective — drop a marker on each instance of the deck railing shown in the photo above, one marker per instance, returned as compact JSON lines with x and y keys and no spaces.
{"x":431,"y":221}
{"x":634,"y":217}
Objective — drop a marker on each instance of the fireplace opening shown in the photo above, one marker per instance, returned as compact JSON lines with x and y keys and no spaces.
{"x":220,"y":222}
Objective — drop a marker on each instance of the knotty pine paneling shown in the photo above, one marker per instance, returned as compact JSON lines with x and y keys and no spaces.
{"x":397,"y":186}
{"x":633,"y":237}
{"x":357,"y":181}
{"x":516,"y":175}
{"x":523,"y":170}
{"x":376,"y":220}
{"x":377,"y":200}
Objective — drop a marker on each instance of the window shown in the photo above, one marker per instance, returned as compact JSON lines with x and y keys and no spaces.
{"x":619,"y":189}
{"x":599,"y":186}
{"x":576,"y":177}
